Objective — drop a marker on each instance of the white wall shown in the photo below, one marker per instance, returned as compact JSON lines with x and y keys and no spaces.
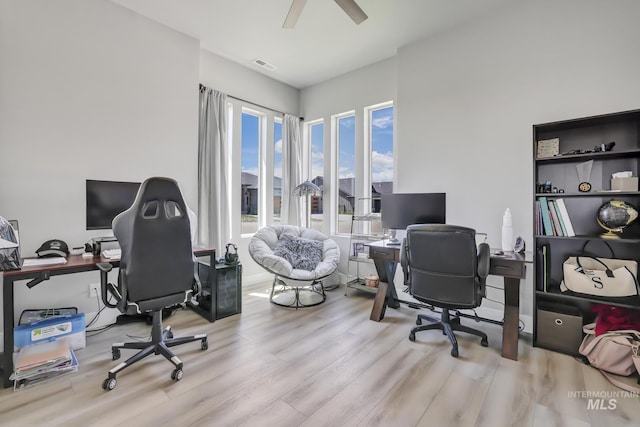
{"x":468,"y":98}
{"x":88,"y":90}
{"x":242,"y":82}
{"x":93,"y":90}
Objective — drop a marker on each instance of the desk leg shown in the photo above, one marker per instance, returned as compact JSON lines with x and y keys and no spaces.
{"x":510,"y":329}
{"x":392,"y":295}
{"x":386,"y":294}
{"x":379,"y":303}
{"x":7,"y":317}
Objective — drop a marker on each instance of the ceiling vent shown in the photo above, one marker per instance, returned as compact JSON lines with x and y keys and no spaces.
{"x":264,"y":64}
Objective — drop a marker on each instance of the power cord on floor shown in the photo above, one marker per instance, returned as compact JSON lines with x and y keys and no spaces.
{"x":94,"y":332}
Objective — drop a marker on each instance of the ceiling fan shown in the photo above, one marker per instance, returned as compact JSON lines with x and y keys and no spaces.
{"x":349,"y":6}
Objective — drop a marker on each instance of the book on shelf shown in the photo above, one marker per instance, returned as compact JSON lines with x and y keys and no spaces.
{"x":560,"y":219}
{"x":564,"y":214}
{"x":557,"y":229}
{"x":538,"y":229}
{"x":542,"y":267}
{"x":546,"y":219}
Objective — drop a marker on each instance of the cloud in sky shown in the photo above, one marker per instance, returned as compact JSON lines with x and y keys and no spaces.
{"x":346,"y":173}
{"x":381,"y":166}
{"x":252,"y":171}
{"x":347,"y":122}
{"x":383,"y":122}
{"x":317,"y":163}
{"x":278,"y":146}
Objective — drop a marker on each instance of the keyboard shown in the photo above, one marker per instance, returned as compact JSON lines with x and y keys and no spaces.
{"x":112,"y":253}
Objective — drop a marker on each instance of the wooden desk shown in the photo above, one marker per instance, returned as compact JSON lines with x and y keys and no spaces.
{"x":38,"y":274}
{"x":511,"y":266}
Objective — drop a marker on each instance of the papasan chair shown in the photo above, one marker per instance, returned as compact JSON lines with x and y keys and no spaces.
{"x":299,"y":258}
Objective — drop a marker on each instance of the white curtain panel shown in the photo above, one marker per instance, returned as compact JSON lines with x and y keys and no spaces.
{"x":214,"y":195}
{"x":291,"y":169}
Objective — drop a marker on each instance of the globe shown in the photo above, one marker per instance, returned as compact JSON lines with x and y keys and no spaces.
{"x":615,"y":215}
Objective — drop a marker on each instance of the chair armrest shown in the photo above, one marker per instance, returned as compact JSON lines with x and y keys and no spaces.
{"x":104,"y":266}
{"x":483,"y":260}
{"x":404,"y":260}
{"x":106,"y":288}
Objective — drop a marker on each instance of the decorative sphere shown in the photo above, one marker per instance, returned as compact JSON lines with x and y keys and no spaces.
{"x":615,"y":215}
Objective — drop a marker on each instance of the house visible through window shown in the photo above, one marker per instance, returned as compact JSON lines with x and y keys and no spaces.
{"x":381,"y":155}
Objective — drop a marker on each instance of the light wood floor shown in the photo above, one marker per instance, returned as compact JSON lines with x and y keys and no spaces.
{"x":327,"y":365}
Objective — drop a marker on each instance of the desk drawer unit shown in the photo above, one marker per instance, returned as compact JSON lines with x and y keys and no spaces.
{"x":507,"y":268}
{"x":383,"y":254}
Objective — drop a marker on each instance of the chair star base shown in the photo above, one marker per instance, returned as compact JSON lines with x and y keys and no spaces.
{"x":160,"y":342}
{"x":303,"y":295}
{"x":447,"y":326}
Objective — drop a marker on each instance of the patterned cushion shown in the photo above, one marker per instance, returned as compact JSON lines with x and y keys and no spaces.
{"x":303,"y":254}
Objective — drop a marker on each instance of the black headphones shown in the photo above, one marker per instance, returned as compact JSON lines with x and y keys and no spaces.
{"x":231,"y":257}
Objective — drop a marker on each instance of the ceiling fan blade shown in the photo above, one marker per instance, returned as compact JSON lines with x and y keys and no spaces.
{"x":353,"y":10}
{"x":294,"y":13}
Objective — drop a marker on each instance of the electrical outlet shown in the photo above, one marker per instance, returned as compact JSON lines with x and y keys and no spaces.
{"x":93,"y":290}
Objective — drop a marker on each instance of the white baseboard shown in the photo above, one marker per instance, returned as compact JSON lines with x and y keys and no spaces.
{"x":257,"y":278}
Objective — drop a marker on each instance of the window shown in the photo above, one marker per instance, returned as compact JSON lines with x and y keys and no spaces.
{"x":250,"y":172}
{"x":346,"y":170}
{"x":381,"y":143}
{"x":277,"y":170}
{"x":316,"y":142}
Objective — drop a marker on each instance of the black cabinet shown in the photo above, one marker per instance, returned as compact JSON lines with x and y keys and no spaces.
{"x":556,"y":182}
{"x":221,"y":294}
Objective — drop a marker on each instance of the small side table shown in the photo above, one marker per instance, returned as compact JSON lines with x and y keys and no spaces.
{"x":221,"y":294}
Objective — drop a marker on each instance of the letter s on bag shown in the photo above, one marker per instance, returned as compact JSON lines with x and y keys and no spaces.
{"x":597,"y":282}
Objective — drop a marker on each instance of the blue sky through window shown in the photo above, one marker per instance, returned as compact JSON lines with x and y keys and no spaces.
{"x":317,"y":150}
{"x":277,"y":152}
{"x":346,"y":146}
{"x":382,"y":145}
{"x":250,"y":138}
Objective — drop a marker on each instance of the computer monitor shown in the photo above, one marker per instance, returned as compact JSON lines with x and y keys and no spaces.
{"x":400,"y":210}
{"x":106,"y":199}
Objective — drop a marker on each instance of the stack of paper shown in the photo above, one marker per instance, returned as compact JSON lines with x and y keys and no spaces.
{"x":37,"y":363}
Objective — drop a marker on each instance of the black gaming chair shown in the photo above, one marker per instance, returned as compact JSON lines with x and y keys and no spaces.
{"x":156,"y":269}
{"x":444,"y":268}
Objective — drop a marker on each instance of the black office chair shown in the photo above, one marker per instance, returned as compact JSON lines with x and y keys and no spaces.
{"x":444,"y":268}
{"x":156,"y":270}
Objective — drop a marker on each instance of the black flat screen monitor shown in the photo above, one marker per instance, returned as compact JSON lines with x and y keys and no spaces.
{"x":106,"y":199}
{"x":401,"y":210}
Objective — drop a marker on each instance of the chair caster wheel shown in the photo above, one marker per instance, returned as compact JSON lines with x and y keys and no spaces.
{"x":484,"y":343}
{"x":418,"y":321}
{"x":115,"y":354}
{"x":412,"y":337}
{"x":204,"y":345}
{"x":176,"y":375}
{"x":109,"y":384}
{"x":454,"y":352}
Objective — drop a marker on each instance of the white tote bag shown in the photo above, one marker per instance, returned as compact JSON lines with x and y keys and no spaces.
{"x":603,"y":277}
